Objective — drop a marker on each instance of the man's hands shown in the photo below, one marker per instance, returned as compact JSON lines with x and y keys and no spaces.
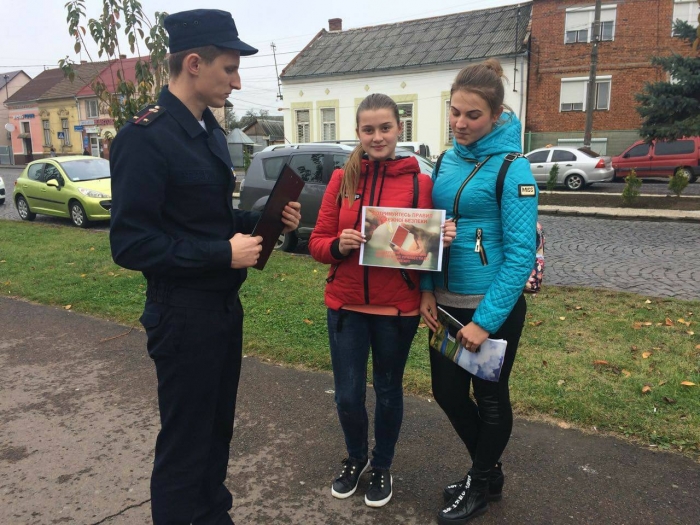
{"x":291,"y":216}
{"x":245,"y":250}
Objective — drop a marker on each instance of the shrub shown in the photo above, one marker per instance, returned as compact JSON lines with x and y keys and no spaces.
{"x":679,"y":181}
{"x":632,"y":187}
{"x":552,"y":180}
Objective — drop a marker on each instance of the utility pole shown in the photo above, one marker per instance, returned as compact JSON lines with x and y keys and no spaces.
{"x":279,"y":88}
{"x":590,"y":98}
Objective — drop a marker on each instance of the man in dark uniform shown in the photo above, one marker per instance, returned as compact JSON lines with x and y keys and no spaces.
{"x":173,"y":219}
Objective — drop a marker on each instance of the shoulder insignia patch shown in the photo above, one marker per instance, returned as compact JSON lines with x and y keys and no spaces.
{"x":147,"y":115}
{"x":526,"y":190}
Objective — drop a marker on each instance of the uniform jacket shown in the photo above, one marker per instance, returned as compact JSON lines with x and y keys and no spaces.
{"x":172,"y":212}
{"x":507,"y":234}
{"x":388,"y":183}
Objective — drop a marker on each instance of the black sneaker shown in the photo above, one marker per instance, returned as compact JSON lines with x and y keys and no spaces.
{"x":345,"y":485}
{"x":379,"y":491}
{"x":495,"y":493}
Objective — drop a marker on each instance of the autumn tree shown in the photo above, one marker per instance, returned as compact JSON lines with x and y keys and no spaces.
{"x":671,"y":109}
{"x":122,"y":25}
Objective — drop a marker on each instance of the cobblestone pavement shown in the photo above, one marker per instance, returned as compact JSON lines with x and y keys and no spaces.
{"x":660,"y":259}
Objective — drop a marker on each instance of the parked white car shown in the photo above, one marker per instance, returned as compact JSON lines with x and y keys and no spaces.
{"x":2,"y":191}
{"x":578,"y":167}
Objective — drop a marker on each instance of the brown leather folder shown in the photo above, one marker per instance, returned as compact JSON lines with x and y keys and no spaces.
{"x":287,"y":188}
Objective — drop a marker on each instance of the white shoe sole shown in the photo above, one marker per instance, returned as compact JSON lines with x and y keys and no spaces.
{"x":340,"y":495}
{"x":381,"y":502}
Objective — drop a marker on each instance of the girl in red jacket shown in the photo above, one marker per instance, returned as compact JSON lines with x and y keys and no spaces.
{"x":369,"y":306}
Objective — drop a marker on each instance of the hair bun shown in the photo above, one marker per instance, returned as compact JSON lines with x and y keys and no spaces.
{"x":494,"y":65}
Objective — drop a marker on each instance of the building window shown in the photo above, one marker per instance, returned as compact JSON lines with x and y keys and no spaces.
{"x":47,"y":132}
{"x":573,"y":94}
{"x":579,"y":24}
{"x":93,"y":108}
{"x":448,"y":129}
{"x":686,"y":10}
{"x":303,"y":126}
{"x":66,"y":132}
{"x":406,"y":117}
{"x":328,"y":124}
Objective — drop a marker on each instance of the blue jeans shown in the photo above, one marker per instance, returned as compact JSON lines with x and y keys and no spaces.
{"x":351,"y":335}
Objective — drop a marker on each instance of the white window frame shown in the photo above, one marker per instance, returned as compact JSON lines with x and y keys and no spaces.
{"x":406,"y":121}
{"x":94,"y":104}
{"x":686,"y":10}
{"x":586,"y":15}
{"x":46,"y":127}
{"x":303,"y":128}
{"x":603,"y":79}
{"x":448,"y":131}
{"x":328,"y":124}
{"x":66,"y":132}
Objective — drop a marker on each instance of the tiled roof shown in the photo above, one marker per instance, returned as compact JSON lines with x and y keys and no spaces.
{"x":273,"y":126}
{"x":84,"y":74}
{"x":10,"y":75}
{"x":37,"y":86}
{"x":454,"y":38}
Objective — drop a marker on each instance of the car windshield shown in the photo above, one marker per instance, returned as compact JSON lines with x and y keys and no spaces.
{"x":425,"y":165}
{"x":88,"y":169}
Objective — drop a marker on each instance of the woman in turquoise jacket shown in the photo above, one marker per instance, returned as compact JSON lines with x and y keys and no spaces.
{"x":483,"y":275}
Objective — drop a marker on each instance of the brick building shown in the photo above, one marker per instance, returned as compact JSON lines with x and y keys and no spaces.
{"x":632,"y":31}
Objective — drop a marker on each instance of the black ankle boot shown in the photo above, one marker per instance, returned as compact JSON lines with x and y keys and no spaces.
{"x":496,"y":480}
{"x":467,"y":503}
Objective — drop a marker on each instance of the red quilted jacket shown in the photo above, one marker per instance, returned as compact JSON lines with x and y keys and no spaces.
{"x":389,"y":183}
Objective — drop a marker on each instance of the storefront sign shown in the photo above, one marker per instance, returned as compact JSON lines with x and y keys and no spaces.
{"x":77,"y":128}
{"x":104,"y":122}
{"x":92,"y":130}
{"x":87,"y":122}
{"x":26,"y":115}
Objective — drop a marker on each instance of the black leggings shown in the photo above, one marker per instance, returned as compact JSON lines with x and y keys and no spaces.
{"x":484,"y":426}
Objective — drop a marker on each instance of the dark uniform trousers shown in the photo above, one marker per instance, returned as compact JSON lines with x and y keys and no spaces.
{"x":195,"y":340}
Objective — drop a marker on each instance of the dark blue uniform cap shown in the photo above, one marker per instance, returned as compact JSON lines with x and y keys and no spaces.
{"x":204,"y":27}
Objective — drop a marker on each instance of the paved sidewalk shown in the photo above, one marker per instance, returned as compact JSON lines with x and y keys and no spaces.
{"x":78,"y":419}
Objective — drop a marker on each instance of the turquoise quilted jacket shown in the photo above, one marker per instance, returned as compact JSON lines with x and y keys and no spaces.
{"x":494,"y":250}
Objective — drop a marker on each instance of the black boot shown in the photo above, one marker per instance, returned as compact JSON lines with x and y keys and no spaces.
{"x":496,"y":479}
{"x":469,"y":502}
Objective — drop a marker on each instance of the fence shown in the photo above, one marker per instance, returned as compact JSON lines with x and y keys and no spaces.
{"x":604,"y":142}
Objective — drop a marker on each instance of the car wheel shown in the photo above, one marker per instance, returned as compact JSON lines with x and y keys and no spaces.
{"x":688,"y":173}
{"x":78,"y":215}
{"x":23,"y":209}
{"x":575,"y":182}
{"x":287,"y":242}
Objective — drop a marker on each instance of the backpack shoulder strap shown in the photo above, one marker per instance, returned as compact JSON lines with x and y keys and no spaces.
{"x":437,"y":164}
{"x":507,"y":160}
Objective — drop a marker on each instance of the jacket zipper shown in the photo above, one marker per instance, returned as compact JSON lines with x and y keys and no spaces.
{"x":371,"y":201}
{"x":455,"y":216}
{"x":479,"y":246}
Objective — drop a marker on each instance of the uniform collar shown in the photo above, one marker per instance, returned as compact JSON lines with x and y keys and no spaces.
{"x":184,"y":116}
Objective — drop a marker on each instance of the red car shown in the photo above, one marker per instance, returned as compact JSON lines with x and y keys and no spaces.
{"x":660,"y":159}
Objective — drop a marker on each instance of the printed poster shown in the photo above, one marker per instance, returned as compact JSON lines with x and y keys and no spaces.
{"x":406,"y":238}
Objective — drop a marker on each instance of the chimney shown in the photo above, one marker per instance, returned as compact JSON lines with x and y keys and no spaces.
{"x":335,"y":24}
{"x":123,"y":57}
{"x":83,"y":61}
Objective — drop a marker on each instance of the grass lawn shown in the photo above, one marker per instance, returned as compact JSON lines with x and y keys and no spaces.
{"x":599,"y":360}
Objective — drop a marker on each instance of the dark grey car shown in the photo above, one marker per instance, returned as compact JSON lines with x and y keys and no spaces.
{"x":315,"y":164}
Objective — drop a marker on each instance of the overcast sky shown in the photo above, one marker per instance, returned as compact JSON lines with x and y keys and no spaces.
{"x":35,"y":35}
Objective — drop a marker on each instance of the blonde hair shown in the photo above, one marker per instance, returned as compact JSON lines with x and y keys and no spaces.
{"x":351,"y":176}
{"x":484,"y":79}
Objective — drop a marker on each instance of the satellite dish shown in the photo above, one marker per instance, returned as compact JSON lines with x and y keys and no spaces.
{"x":10,"y":127}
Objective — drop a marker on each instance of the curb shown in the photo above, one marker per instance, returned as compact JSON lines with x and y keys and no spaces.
{"x":614,"y":213}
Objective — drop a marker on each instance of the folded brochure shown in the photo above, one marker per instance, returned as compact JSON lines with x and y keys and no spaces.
{"x":405,"y":238}
{"x":485,"y":363}
{"x":287,"y":189}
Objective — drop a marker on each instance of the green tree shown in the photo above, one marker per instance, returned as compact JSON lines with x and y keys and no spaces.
{"x":121,"y":25}
{"x":632,"y":186}
{"x":678,"y":182}
{"x":671,"y":109}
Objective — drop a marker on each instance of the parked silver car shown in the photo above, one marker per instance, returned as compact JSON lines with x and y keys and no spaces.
{"x":578,"y":167}
{"x":2,"y":191}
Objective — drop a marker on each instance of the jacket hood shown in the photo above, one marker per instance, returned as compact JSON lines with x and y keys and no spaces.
{"x":505,"y":138}
{"x":392,"y":167}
